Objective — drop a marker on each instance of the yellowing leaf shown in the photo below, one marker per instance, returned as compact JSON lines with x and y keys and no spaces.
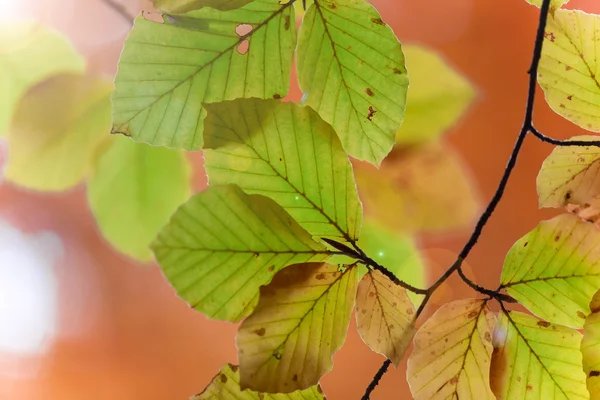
{"x":419,"y":189}
{"x":287,"y":153}
{"x":29,"y":54}
{"x":536,"y":360}
{"x":569,"y":72}
{"x":554,"y":4}
{"x":570,"y":175}
{"x":437,"y":97}
{"x":385,"y":316}
{"x":223,"y":244}
{"x":554,"y":270}
{"x":56,"y":132}
{"x":351,"y":70}
{"x":133,"y":192}
{"x":184,"y":6}
{"x":451,"y":359}
{"x":590,"y":348}
{"x":300,"y":321}
{"x":167,"y":71}
{"x":226,"y":385}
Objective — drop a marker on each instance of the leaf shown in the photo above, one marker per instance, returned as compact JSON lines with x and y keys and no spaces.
{"x":184,"y":6}
{"x":554,"y":270}
{"x":134,"y":191}
{"x":424,"y":189}
{"x":438,"y":96}
{"x":351,"y":70}
{"x":223,"y":244}
{"x":568,"y":70}
{"x":168,"y":71}
{"x":536,"y":360}
{"x":554,"y":4}
{"x":56,"y":131}
{"x":569,"y":176}
{"x":287,"y":153}
{"x":300,"y":322}
{"x":385,"y":316}
{"x":22,"y":46}
{"x":226,"y":385}
{"x":451,"y":359}
{"x":590,"y":349}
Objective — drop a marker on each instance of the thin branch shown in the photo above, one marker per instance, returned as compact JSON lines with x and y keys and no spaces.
{"x":491,"y":207}
{"x":390,"y":275}
{"x":558,"y":142}
{"x":120,"y":9}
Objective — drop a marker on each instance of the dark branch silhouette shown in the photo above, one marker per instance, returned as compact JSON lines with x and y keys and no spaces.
{"x":120,"y":9}
{"x":558,"y":142}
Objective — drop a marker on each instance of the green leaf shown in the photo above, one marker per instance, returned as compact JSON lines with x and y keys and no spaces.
{"x":569,"y":175}
{"x":167,"y":71}
{"x":590,"y":348}
{"x":226,"y":385}
{"x":300,"y":322}
{"x":287,"y":153}
{"x":554,"y":270}
{"x":438,"y":96}
{"x":569,"y":72}
{"x":133,"y":192}
{"x":57,"y":130}
{"x":351,"y":70}
{"x":385,"y":316}
{"x":22,"y":46}
{"x":452,"y":354}
{"x":536,"y":360}
{"x":184,"y":6}
{"x":223,"y":244}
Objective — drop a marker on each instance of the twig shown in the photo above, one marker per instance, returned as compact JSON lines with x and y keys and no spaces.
{"x":491,"y":207}
{"x":558,"y":142}
{"x":120,"y":9}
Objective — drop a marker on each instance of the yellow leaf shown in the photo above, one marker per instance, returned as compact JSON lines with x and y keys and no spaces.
{"x":451,"y":359}
{"x":419,"y":189}
{"x":590,"y":348}
{"x":554,"y":4}
{"x":300,"y":321}
{"x":569,"y":72}
{"x":385,"y":316}
{"x":56,"y":132}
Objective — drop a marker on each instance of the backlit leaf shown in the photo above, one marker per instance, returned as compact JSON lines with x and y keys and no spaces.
{"x":437,"y":96}
{"x":226,"y":385}
{"x":554,"y":270}
{"x":167,"y":71}
{"x":569,"y":70}
{"x":451,"y":359}
{"x":56,"y":131}
{"x":385,"y":316}
{"x":554,"y":4}
{"x":351,"y":70}
{"x":590,"y":348}
{"x":536,"y":360}
{"x":418,"y":189}
{"x":184,"y":6}
{"x":300,"y":322}
{"x":22,"y":46}
{"x":223,"y":244}
{"x":287,"y":153}
{"x":133,"y":192}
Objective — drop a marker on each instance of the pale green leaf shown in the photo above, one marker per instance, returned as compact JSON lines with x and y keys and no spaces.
{"x":133,"y":192}
{"x":167,"y":71}
{"x":184,"y":6}
{"x":590,"y":348}
{"x":554,"y":270}
{"x":287,"y":153}
{"x":351,"y":71}
{"x":223,"y":244}
{"x":536,"y":360}
{"x":385,"y":316}
{"x":29,"y":54}
{"x":438,"y":96}
{"x":300,"y":322}
{"x":226,"y":385}
{"x":569,"y":72}
{"x":554,"y":4}
{"x":57,"y":129}
{"x":452,"y":354}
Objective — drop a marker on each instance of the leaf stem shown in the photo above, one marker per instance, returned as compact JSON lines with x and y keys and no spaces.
{"x":558,"y":142}
{"x":491,"y":207}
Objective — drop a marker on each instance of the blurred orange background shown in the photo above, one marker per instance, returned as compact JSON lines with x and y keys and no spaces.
{"x":120,"y":333}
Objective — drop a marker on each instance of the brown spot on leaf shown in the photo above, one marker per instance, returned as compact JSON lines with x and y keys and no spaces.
{"x":320,"y":277}
{"x":568,"y":68}
{"x":562,"y":106}
{"x":319,"y":389}
{"x":472,"y":314}
{"x":286,"y":23}
{"x":259,"y":332}
{"x":295,"y":378}
{"x":594,"y":373}
{"x":544,"y":324}
{"x":277,"y":96}
{"x":410,"y":311}
{"x":570,"y":97}
{"x":518,"y":379}
{"x":377,"y":21}
{"x":277,"y":355}
{"x":333,"y":6}
{"x":369,"y":92}
{"x":529,"y":387}
{"x":557,"y":238}
{"x":526,"y":244}
{"x":454,"y":380}
{"x":371,"y":294}
{"x":234,"y":368}
{"x":488,"y":337}
{"x":568,"y":196}
{"x":580,"y":314}
{"x":223,"y":378}
{"x":372,"y":112}
{"x":271,"y":268}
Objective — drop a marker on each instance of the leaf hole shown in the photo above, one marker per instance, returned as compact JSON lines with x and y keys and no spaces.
{"x":243,"y":47}
{"x":243,"y":29}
